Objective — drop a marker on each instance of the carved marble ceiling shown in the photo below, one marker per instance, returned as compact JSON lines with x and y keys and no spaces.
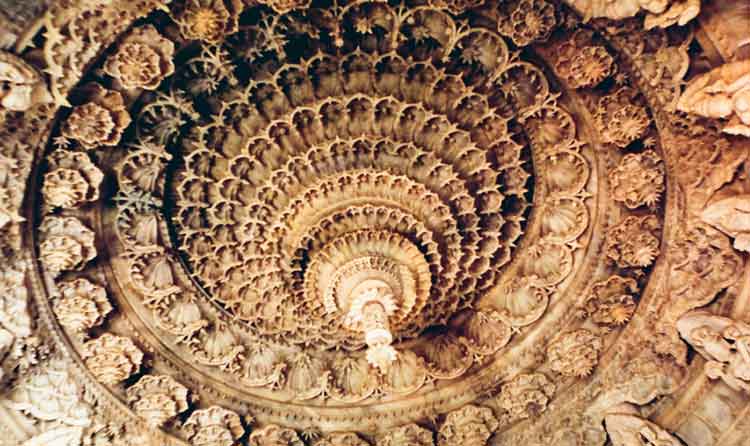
{"x":374,"y":223}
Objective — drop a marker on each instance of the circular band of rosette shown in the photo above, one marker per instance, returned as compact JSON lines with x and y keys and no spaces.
{"x":365,"y":276}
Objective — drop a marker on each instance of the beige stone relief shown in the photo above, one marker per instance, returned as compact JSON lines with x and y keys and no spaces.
{"x":368,"y":223}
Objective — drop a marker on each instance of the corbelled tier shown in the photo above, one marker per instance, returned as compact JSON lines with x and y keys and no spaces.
{"x":410,"y":165}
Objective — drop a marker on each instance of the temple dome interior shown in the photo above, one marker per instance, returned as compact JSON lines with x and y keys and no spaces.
{"x":374,"y":222}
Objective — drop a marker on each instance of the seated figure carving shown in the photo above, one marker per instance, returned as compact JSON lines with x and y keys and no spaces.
{"x":723,"y":92}
{"x":724,"y":342}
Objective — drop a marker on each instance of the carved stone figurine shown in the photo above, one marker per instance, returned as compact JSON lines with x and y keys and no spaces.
{"x":732,"y":217}
{"x":723,"y":92}
{"x":724,"y":342}
{"x":21,"y":86}
{"x":626,"y":428}
{"x":661,"y":13}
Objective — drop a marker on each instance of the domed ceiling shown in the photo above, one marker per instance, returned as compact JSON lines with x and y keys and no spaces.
{"x":374,"y":223}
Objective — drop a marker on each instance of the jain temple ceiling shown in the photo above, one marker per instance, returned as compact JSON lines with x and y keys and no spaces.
{"x":374,"y":223}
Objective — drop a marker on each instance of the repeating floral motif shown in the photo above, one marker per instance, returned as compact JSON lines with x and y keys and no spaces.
{"x":634,"y":242}
{"x":563,"y":218}
{"x":112,"y":359}
{"x":638,"y":180}
{"x":574,"y":354}
{"x":142,"y":60}
{"x":213,"y":426}
{"x":621,"y":118}
{"x":72,"y":180}
{"x":82,"y":305}
{"x":66,"y":245}
{"x":525,"y":21}
{"x":525,"y":396}
{"x":611,"y":302}
{"x":470,"y":425}
{"x":582,"y":64}
{"x":158,"y":399}
{"x":275,"y":436}
{"x":100,"y":121}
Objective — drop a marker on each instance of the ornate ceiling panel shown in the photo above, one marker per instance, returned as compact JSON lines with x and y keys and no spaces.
{"x":375,"y":223}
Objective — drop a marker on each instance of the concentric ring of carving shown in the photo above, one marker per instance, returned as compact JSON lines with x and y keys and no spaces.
{"x":326,"y":137}
{"x":344,"y":221}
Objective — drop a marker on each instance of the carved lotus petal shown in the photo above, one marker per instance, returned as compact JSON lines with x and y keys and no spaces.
{"x":445,"y":357}
{"x":485,"y":332}
{"x":521,"y":88}
{"x":522,"y":302}
{"x":567,"y":172}
{"x":564,"y":219}
{"x":217,"y":346}
{"x":352,"y":379}
{"x":263,"y":367}
{"x":142,"y":169}
{"x":406,"y":374}
{"x":551,"y":127}
{"x":549,"y":263}
{"x":307,"y":376}
{"x":152,"y":271}
{"x":82,"y":305}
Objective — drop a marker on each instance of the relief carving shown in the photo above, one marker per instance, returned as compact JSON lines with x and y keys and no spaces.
{"x":470,"y":425}
{"x":112,"y":359}
{"x":634,"y":242}
{"x":82,"y":305}
{"x":158,"y":399}
{"x":21,"y":85}
{"x":143,"y":59}
{"x":574,"y":354}
{"x":660,"y":13}
{"x":611,"y":302}
{"x":723,"y":342}
{"x":67,"y":244}
{"x":525,"y":396}
{"x":214,"y":426}
{"x":275,"y":436}
{"x":638,"y":180}
{"x":410,"y":434}
{"x":723,"y":93}
{"x":72,"y":179}
{"x":626,"y":428}
{"x":99,"y":121}
{"x":327,"y":209}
